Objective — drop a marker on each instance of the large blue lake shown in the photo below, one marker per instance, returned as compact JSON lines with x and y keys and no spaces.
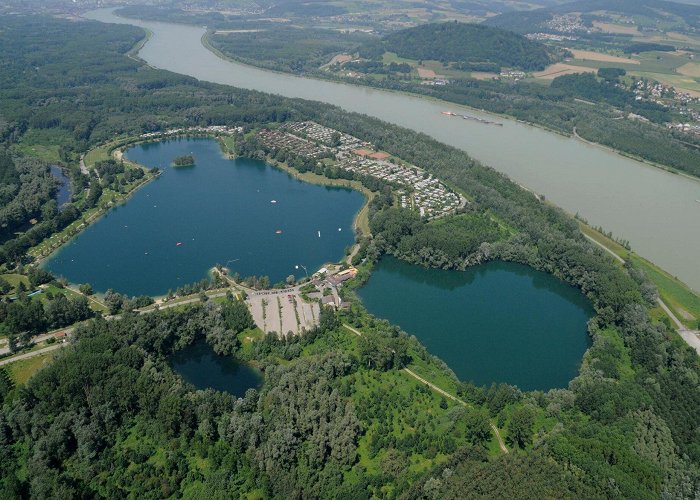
{"x":172,"y":231}
{"x":497,"y":322}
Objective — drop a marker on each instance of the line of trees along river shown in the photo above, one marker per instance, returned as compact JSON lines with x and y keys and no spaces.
{"x":111,"y":419}
{"x":633,"y":200}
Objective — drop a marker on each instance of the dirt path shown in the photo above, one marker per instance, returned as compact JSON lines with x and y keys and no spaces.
{"x":615,"y":256}
{"x":494,"y":429}
{"x":83,"y":167}
{"x":32,"y":354}
{"x":91,"y":298}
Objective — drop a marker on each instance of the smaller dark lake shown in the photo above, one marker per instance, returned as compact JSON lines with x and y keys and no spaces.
{"x":497,"y":322}
{"x":63,"y":195}
{"x":200,"y":366}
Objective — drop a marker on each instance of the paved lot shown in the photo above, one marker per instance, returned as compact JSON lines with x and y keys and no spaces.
{"x":282,"y":311}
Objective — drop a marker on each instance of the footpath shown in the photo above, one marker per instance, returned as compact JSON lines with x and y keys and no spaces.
{"x":494,"y":429}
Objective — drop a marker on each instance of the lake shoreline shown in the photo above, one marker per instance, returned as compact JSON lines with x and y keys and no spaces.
{"x":218,"y":150}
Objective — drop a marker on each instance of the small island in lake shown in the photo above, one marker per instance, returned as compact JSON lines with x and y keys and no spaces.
{"x":184,"y":161}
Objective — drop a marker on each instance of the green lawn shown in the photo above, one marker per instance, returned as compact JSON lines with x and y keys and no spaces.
{"x":21,"y":371}
{"x":43,"y":143}
{"x":14,"y":280}
{"x":98,"y":154}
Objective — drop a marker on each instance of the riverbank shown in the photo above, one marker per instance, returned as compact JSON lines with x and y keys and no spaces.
{"x":631,"y":156}
{"x":683,"y":301}
{"x":319,"y":76}
{"x":355,"y":83}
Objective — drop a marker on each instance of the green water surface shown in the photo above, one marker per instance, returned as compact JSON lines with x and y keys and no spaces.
{"x":199,"y":365}
{"x":497,"y":322}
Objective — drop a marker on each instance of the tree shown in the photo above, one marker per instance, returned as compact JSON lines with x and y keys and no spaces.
{"x":237,"y":317}
{"x":478,"y":426}
{"x":520,"y":426}
{"x":114,"y":301}
{"x":328,"y":319}
{"x":86,"y":289}
{"x":291,"y":280}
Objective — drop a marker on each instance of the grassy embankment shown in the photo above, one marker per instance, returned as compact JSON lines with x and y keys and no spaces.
{"x":21,"y":371}
{"x":684,"y":302}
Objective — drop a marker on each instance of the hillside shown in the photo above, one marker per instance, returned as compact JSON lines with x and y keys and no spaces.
{"x":468,"y":45}
{"x":654,"y":13}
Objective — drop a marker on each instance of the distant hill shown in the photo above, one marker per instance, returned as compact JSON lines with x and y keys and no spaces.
{"x":470,"y":46}
{"x":662,"y":10}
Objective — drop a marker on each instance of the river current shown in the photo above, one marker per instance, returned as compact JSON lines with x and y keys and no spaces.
{"x":655,"y":210}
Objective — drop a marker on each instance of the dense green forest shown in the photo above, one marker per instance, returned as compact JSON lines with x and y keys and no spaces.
{"x":26,"y":192}
{"x":282,"y":48}
{"x":468,"y":45}
{"x":335,"y":417}
{"x":683,"y":15}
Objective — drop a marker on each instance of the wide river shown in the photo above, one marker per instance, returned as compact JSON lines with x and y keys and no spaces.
{"x":653,"y":209}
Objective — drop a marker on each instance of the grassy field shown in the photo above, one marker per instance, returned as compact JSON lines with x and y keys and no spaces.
{"x":21,"y":371}
{"x":96,"y":155}
{"x":14,"y":280}
{"x":683,"y":301}
{"x":43,"y":143}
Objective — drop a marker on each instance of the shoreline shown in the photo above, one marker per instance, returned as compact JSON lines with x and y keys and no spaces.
{"x":361,"y":219}
{"x":407,"y":93}
{"x":118,"y":152}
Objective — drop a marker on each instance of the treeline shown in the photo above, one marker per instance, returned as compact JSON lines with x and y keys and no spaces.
{"x":637,"y":48}
{"x":378,"y":67}
{"x":91,"y":423}
{"x":291,"y":49}
{"x":25,"y":317}
{"x":27,"y":189}
{"x":469,"y":44}
{"x":587,"y":86}
{"x":446,"y":243}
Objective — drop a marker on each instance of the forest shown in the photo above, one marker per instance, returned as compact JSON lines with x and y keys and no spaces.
{"x":686,"y":16}
{"x":291,"y":49}
{"x":26,"y":192}
{"x":336,"y":417}
{"x":467,"y":45}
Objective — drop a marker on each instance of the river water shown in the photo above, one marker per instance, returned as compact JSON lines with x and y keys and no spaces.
{"x":63,"y":195}
{"x":655,"y":210}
